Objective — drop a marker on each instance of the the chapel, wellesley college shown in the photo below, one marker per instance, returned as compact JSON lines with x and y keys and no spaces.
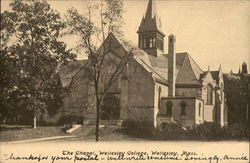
{"x":160,"y":85}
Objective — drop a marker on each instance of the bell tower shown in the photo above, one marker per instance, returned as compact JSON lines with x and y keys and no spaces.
{"x":150,"y":35}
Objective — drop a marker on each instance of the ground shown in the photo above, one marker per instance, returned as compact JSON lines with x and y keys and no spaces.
{"x":18,"y":133}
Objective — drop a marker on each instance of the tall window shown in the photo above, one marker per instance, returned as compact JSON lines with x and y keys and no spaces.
{"x":150,"y":42}
{"x":183,"y":108}
{"x":154,"y":41}
{"x":169,"y":108}
{"x":209,"y":94}
{"x":199,"y":109}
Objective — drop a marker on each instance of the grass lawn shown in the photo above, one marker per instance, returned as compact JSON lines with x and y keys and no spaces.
{"x":87,"y":133}
{"x":13,"y":133}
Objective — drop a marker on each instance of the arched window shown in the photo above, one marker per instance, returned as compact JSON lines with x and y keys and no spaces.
{"x":169,"y":108}
{"x":183,"y":106}
{"x":209,"y":94}
{"x":199,"y":109}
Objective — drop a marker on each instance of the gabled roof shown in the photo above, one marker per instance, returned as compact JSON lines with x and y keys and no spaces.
{"x":151,"y":21}
{"x":68,"y":72}
{"x":215,"y":75}
{"x":187,"y":70}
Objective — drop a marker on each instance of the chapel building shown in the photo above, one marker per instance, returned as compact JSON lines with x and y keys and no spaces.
{"x":159,"y":85}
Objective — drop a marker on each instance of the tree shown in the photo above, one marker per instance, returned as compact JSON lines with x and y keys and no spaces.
{"x":93,"y":33}
{"x":32,"y":54}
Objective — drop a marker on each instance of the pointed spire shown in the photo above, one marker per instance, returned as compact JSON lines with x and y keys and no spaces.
{"x":151,"y":21}
{"x":151,"y":12}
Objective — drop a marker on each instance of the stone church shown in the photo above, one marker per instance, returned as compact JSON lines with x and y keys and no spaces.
{"x":160,"y":86}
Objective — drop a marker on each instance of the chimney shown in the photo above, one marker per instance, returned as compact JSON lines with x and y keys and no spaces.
{"x":171,"y":65}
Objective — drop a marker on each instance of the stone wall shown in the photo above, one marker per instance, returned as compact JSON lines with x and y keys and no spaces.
{"x":191,"y":116}
{"x":138,"y":90}
{"x":199,"y":111}
{"x":209,"y":109}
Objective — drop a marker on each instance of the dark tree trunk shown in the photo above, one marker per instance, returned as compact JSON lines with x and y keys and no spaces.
{"x":97,"y":133}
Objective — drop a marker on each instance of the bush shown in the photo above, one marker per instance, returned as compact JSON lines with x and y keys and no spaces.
{"x":213,"y":131}
{"x":175,"y":131}
{"x":169,"y":131}
{"x":236,"y":131}
{"x":207,"y":131}
{"x":138,"y":128}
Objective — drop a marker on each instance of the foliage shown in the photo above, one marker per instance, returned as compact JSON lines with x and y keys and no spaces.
{"x":207,"y":130}
{"x":31,"y":55}
{"x":237,"y":97}
{"x":174,"y":131}
{"x":138,"y":128}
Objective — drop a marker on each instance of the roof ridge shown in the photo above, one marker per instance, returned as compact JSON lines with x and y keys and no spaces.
{"x":184,"y":61}
{"x":194,"y":62}
{"x":206,"y":73}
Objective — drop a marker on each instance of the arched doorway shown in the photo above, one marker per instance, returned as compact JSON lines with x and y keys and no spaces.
{"x":110,"y":109}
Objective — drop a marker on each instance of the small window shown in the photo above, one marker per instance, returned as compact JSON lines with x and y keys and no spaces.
{"x":183,"y":108}
{"x":169,"y":108}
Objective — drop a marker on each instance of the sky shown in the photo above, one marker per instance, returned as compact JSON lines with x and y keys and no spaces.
{"x":213,"y":32}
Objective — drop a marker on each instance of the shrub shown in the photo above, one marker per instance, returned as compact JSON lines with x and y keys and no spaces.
{"x":169,"y":131}
{"x":207,"y":131}
{"x":213,"y":131}
{"x":138,"y":128}
{"x":236,"y":131}
{"x":175,"y":131}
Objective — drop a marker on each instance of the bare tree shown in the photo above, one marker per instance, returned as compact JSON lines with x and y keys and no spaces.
{"x":93,"y":34}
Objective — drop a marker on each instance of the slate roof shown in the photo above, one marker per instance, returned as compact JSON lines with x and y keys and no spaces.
{"x":187,"y":70}
{"x":147,"y":61}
